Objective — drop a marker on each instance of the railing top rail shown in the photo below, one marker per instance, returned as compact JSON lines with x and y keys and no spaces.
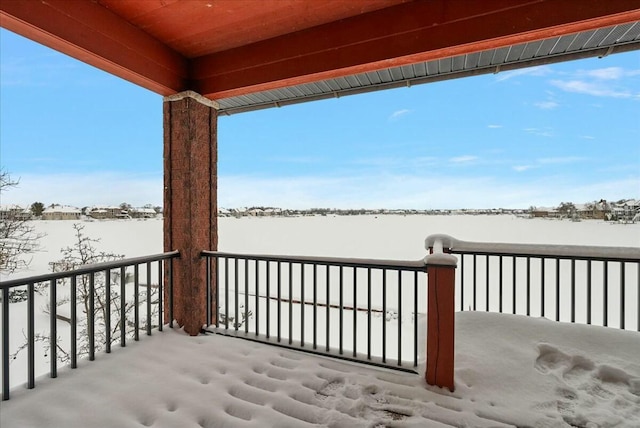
{"x":97,"y":267}
{"x":413,"y":265}
{"x":578,"y":252}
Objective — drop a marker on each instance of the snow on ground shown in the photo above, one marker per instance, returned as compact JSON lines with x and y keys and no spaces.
{"x":510,"y":371}
{"x":381,"y":237}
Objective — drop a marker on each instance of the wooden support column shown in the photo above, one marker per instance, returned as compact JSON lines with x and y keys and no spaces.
{"x":190,"y":203}
{"x":441,"y":276}
{"x":441,"y":326}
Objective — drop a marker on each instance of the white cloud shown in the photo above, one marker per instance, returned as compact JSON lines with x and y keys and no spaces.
{"x":609,"y":73}
{"x":493,"y":126}
{"x":561,"y":160}
{"x":546,"y":105}
{"x":463,"y":159}
{"x":540,"y":132}
{"x":596,"y":89}
{"x":399,"y":113}
{"x":521,"y":168}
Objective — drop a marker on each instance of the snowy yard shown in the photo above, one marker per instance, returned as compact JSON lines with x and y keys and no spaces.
{"x":510,"y":370}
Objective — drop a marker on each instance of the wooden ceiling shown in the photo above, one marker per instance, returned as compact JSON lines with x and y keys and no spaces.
{"x":225,"y":48}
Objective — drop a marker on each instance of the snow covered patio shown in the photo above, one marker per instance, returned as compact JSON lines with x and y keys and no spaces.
{"x":510,"y":371}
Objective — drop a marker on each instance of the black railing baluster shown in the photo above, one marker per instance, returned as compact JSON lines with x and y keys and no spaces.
{"x":399,"y":317}
{"x":148,"y":299}
{"x":573,"y":290}
{"x":5,"y":343}
{"x":53,"y":329}
{"x":487,"y":284}
{"x":257,"y":273}
{"x":557,"y":289}
{"x":107,"y":305}
{"x":207,"y":267}
{"x":302,"y":304}
{"x":528,"y":286}
{"x":462,"y":272}
{"x":136,"y":302}
{"x":170,"y":293}
{"x":355,"y":311}
{"x":31,"y":360}
{"x":500,"y":284}
{"x":123,"y":310}
{"x":315,"y":306}
{"x":622,"y":294}
{"x":384,"y":315}
{"x":542,"y":286}
{"x":268,"y":300}
{"x":513,"y":284}
{"x":368,"y":313}
{"x":589,"y":292}
{"x":226,"y":293}
{"x":246,"y":296}
{"x":217,"y":295}
{"x":605,"y":297}
{"x":91,"y":317}
{"x":290,"y":304}
{"x":415,"y":318}
{"x":475,"y":283}
{"x":638,"y":296}
{"x":328,"y":306}
{"x":236,"y":306}
{"x":341,"y":305}
{"x":161,"y":294}
{"x":279,"y":301}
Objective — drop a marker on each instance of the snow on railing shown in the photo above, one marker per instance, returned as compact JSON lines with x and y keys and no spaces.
{"x":572,"y":283}
{"x":87,"y":310}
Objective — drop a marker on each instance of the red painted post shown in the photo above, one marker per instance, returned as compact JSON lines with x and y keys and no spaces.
{"x":190,"y":202}
{"x":440,"y":325}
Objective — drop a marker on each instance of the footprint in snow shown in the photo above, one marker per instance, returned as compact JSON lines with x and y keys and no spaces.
{"x":590,"y":394}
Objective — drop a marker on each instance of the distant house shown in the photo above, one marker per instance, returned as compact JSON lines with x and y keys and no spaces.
{"x":142,"y":213}
{"x":14,"y":212}
{"x":544,"y":212}
{"x":61,"y":212}
{"x":626,"y":210}
{"x":102,"y":212}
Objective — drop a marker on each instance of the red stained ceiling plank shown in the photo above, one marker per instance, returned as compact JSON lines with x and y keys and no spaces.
{"x":92,"y":34}
{"x":414,"y":32}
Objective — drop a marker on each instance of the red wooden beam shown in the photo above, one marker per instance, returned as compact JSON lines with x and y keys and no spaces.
{"x":92,"y":34}
{"x":398,"y":35}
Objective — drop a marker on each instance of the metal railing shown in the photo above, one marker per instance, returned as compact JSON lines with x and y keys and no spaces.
{"x":353,"y":309}
{"x":101,"y":304}
{"x":578,"y":284}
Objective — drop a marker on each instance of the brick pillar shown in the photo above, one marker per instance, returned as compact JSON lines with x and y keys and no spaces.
{"x":190,"y":202}
{"x":440,"y":325}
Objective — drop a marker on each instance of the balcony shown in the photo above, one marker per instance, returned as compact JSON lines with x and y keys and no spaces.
{"x":326,"y":317}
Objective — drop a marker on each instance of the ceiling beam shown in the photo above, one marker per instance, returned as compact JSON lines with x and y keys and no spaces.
{"x":92,"y":34}
{"x":399,"y":35}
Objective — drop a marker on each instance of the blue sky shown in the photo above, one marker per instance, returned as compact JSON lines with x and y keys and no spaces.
{"x":76,"y":135}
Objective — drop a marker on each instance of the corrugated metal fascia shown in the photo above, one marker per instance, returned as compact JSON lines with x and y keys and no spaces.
{"x":583,"y":45}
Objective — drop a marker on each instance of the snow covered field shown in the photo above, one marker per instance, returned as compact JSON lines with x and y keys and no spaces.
{"x":381,"y":237}
{"x":582,"y":379}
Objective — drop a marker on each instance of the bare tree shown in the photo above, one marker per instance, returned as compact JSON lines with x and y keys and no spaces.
{"x":105,"y":314}
{"x":18,"y":237}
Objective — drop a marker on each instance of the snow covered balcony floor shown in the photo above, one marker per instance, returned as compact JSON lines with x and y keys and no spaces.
{"x":510,"y":371}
